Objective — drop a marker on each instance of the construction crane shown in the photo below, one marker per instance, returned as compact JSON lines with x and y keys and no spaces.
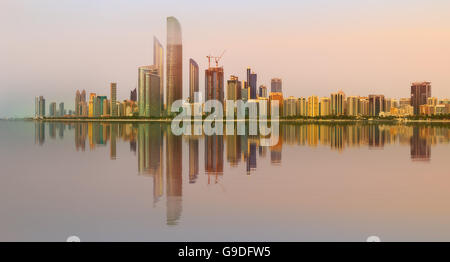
{"x":216,"y":59}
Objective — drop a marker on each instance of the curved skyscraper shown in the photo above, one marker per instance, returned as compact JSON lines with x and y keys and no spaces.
{"x":174,"y":62}
{"x":158,"y":61}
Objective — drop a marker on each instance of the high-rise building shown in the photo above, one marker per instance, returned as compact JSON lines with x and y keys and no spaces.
{"x":387,"y":104}
{"x":77,"y":103}
{"x":80,"y":99}
{"x":313,"y":106}
{"x":133,"y":95}
{"x":432,"y":101}
{"x":252,"y":81}
{"x":405,"y":102}
{"x":214,"y":82}
{"x":262,"y":91}
{"x":244,"y":91}
{"x":193,"y":81}
{"x":39,"y":106}
{"x":99,"y":106}
{"x":158,"y":61}
{"x":113,"y":106}
{"x":353,"y":106}
{"x":52,"y":109}
{"x":325,"y":106}
{"x":420,"y":92}
{"x":174,"y":62}
{"x":36,"y":107}
{"x":92,"y":104}
{"x":144,"y":91}
{"x":153,"y":95}
{"x":364,"y":106}
{"x":302,"y":107}
{"x":376,"y":104}
{"x":233,"y":88}
{"x":290,"y":106}
{"x":275,"y":85}
{"x":61,"y":109}
{"x":337,"y":103}
{"x":276,"y":96}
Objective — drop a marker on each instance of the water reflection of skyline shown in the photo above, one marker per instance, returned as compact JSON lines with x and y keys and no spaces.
{"x":160,"y":153}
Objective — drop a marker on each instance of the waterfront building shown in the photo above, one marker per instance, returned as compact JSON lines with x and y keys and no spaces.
{"x":313,"y":106}
{"x":325,"y":106}
{"x":193,"y":81}
{"x":112,"y":106}
{"x":276,"y":85}
{"x":420,"y":92}
{"x":174,"y":62}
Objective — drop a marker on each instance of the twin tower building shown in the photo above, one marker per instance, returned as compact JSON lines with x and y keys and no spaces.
{"x":151,"y":77}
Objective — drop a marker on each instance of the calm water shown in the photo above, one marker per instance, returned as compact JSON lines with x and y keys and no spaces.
{"x":139,"y":182}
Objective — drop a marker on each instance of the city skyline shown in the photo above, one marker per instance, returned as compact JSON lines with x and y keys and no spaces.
{"x":303,"y":75}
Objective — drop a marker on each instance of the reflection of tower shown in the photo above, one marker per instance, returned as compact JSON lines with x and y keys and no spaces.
{"x":376,"y":137}
{"x":51,"y":129}
{"x":80,"y":136}
{"x":213,"y":156}
{"x":337,"y":137}
{"x":150,"y":141}
{"x":233,"y":150}
{"x":275,"y":152}
{"x":420,"y":148}
{"x":193,"y":159}
{"x":39,"y":133}
{"x":112,"y":145}
{"x":173,"y":177}
{"x":155,"y":142}
{"x":61,"y":128}
{"x":251,"y":160}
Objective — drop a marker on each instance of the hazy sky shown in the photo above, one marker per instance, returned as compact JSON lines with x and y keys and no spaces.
{"x":54,"y":47}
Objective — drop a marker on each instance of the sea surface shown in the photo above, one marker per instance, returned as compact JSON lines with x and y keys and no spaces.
{"x":105,"y":181}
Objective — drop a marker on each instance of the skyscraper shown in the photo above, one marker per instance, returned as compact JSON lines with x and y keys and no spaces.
{"x":251,"y":80}
{"x":275,"y":85}
{"x":153,"y":94}
{"x":420,"y":91}
{"x":353,"y":106}
{"x":174,"y":62}
{"x":92,"y":101}
{"x":325,"y":105}
{"x":313,"y":106}
{"x":61,"y":109}
{"x":158,"y":61}
{"x":376,"y":104}
{"x":39,"y":106}
{"x":77,"y":103}
{"x":214,"y":82}
{"x":262,"y":91}
{"x":233,"y":88}
{"x":52,"y":109}
{"x":193,"y":80}
{"x":337,"y":103}
{"x":113,"y":106}
{"x":133,"y":95}
{"x":142,"y":70}
{"x":36,"y":106}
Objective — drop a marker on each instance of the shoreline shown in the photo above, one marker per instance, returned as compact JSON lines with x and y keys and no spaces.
{"x":400,"y":121}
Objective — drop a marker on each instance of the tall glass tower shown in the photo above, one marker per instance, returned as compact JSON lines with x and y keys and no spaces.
{"x":158,"y":61}
{"x":193,"y":80}
{"x":174,"y":62}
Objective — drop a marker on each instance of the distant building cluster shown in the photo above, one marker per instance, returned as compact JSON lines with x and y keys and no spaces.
{"x":148,"y":99}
